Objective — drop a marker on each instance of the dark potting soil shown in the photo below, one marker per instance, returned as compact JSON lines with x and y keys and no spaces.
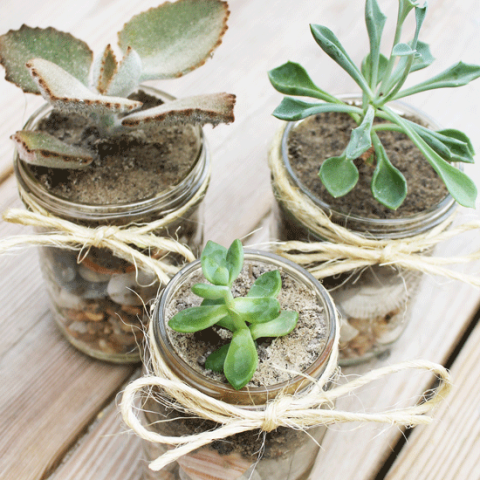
{"x":326,"y":135}
{"x":129,"y":167}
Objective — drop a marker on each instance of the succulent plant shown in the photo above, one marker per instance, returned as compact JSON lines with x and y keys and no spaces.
{"x":248,"y":318}
{"x":164,"y":42}
{"x":381,"y":80}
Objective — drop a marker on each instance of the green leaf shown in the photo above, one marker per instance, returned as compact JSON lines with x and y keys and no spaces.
{"x":382,"y":66}
{"x":268,"y":284}
{"x":17,"y":47}
{"x":292,"y":79}
{"x":234,"y":260}
{"x":375,"y":21}
{"x":127,"y":76}
{"x":242,"y":359}
{"x":423,"y":57}
{"x":214,"y":108}
{"x":402,"y":50}
{"x":339,"y":175}
{"x":360,"y":141}
{"x":330,"y":44}
{"x":210,"y":292}
{"x":214,"y":263}
{"x":459,"y":138}
{"x":45,"y":150}
{"x":195,"y":319}
{"x":278,"y":327}
{"x":175,"y":38}
{"x":227,"y":323}
{"x":389,"y":186}
{"x":292,"y":109}
{"x":460,"y":186}
{"x":455,"y":76}
{"x":216,"y":360}
{"x":67,"y":94}
{"x":256,"y":310}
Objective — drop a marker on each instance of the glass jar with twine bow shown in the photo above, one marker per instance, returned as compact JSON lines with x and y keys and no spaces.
{"x":197,"y":427}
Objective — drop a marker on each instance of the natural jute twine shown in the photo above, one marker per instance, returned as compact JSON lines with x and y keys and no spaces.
{"x":344,"y":251}
{"x":119,"y":240}
{"x":299,"y":411}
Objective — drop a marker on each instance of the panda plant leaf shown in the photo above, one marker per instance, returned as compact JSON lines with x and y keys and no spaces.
{"x":381,"y":80}
{"x":254,"y":316}
{"x":164,"y":42}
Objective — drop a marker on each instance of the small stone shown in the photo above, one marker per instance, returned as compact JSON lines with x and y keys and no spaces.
{"x":91,"y":276}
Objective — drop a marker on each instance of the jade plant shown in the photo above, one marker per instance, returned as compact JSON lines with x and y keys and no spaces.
{"x":164,"y":42}
{"x":248,"y":318}
{"x":381,"y":80}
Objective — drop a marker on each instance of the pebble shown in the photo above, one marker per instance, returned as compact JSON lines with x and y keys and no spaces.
{"x":122,"y":289}
{"x":92,"y":276}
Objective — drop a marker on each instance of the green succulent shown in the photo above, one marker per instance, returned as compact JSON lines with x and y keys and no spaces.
{"x":248,"y":318}
{"x":164,"y":42}
{"x":381,"y":80}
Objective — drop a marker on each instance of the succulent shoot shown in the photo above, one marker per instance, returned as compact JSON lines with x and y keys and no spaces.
{"x":381,"y":80}
{"x":164,"y":42}
{"x":248,"y":318}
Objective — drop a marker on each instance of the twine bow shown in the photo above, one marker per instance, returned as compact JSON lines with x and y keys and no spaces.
{"x":310,"y":408}
{"x":120,"y":240}
{"x":344,"y":250}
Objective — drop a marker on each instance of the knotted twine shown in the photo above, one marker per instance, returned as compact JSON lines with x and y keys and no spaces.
{"x":344,"y":251}
{"x":298,"y":411}
{"x":119,"y":240}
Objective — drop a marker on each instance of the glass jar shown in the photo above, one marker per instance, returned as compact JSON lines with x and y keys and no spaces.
{"x":99,"y":300}
{"x":374,"y":303}
{"x":283,"y":454}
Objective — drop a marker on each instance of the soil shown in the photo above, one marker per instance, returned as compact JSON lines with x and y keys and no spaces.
{"x":326,"y":135}
{"x":294,"y":352}
{"x":128,"y":167}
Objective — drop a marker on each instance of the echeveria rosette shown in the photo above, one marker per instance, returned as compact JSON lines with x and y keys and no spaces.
{"x":164,"y":42}
{"x":248,"y":318}
{"x":381,"y":80}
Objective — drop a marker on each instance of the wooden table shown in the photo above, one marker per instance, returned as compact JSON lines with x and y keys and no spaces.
{"x":57,"y":407}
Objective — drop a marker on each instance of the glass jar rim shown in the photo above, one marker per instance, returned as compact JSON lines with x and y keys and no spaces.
{"x":224,"y":391}
{"x":376,"y":227}
{"x":167,"y":200}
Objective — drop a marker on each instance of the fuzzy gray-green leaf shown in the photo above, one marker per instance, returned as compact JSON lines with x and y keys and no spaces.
{"x":292,"y":109}
{"x":268,"y":284}
{"x":45,"y":150}
{"x":194,"y":319}
{"x":382,"y":66}
{"x":257,"y":310}
{"x":402,"y":50}
{"x":375,"y":21}
{"x":292,"y":79}
{"x":175,"y":38}
{"x":278,"y":327}
{"x":339,"y":175}
{"x":214,"y":109}
{"x":127,"y":76}
{"x":360,"y":140}
{"x":104,"y":67}
{"x":17,"y":47}
{"x":241,"y":360}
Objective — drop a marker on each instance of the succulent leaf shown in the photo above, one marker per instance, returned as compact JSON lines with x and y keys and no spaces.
{"x":458,"y":138}
{"x":175,"y":38}
{"x":103,"y":69}
{"x":292,"y":109}
{"x":268,"y":284}
{"x":278,"y":327}
{"x":127,"y":77}
{"x":339,"y":175}
{"x":257,"y":310}
{"x":66,"y":93}
{"x":375,"y":21}
{"x":234,"y":260}
{"x":292,"y":79}
{"x":214,"y":263}
{"x":17,"y":47}
{"x":194,"y":319}
{"x":210,"y":292}
{"x":199,"y":110}
{"x":216,"y":360}
{"x":45,"y":150}
{"x":402,"y":50}
{"x":382,"y":67}
{"x":241,"y":360}
{"x":360,"y":141}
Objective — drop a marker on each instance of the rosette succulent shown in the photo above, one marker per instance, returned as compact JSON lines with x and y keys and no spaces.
{"x":381,"y":80}
{"x":248,"y":318}
{"x":164,"y":42}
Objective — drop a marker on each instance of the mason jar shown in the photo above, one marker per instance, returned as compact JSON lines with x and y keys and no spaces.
{"x":283,"y":454}
{"x":374,"y":303}
{"x":100,"y":301}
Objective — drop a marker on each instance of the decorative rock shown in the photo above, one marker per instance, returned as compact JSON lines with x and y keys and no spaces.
{"x":347,"y":332}
{"x":65,"y":299}
{"x":92,"y":276}
{"x":122,"y":289}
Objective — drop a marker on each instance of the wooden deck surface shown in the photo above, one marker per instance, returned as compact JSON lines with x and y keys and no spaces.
{"x":57,"y":407}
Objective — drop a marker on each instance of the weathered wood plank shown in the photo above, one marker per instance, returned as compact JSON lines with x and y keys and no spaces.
{"x":450,"y":448}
